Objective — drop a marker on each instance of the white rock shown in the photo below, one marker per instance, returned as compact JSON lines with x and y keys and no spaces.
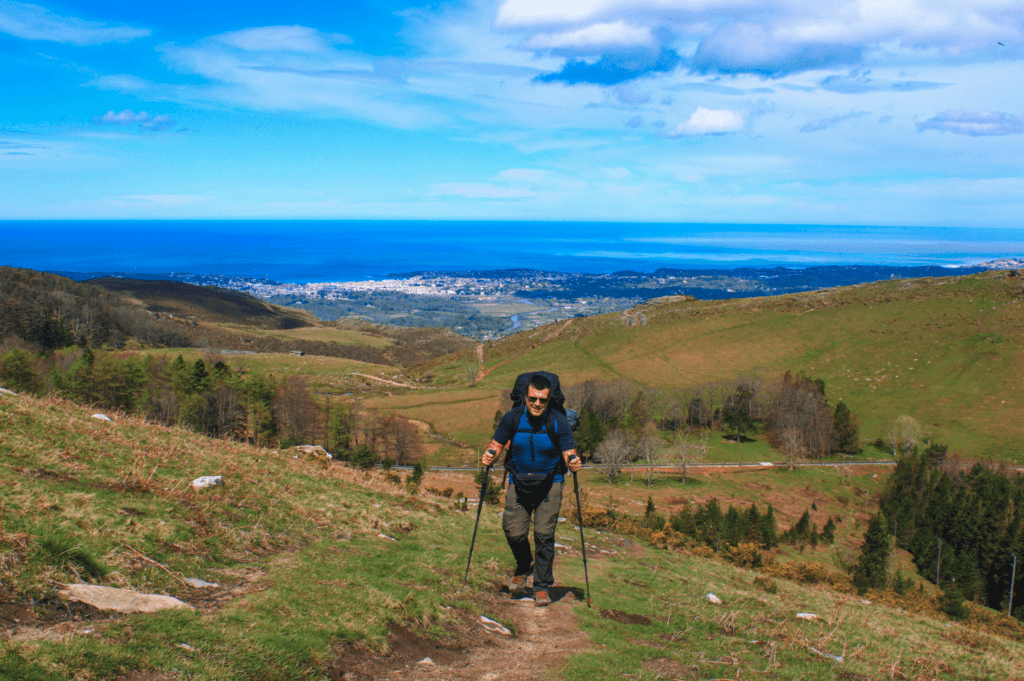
{"x":384,"y":536}
{"x":837,"y":658}
{"x":767,"y":464}
{"x":207,"y":481}
{"x":425,"y":660}
{"x":712,"y":598}
{"x":5,"y":391}
{"x":101,"y":417}
{"x":199,"y":584}
{"x":120,"y":600}
{"x":494,"y":627}
{"x":809,"y":616}
{"x":316,"y":451}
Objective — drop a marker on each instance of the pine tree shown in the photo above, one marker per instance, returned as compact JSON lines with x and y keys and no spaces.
{"x":872,"y":568}
{"x":845,"y":431}
{"x":828,"y":533}
{"x":769,"y":530}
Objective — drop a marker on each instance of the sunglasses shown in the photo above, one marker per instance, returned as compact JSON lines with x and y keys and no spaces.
{"x":538,"y":400}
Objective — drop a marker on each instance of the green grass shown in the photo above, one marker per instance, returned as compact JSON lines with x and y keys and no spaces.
{"x":301,"y":545}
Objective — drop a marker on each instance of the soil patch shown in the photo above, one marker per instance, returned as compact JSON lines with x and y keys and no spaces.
{"x":625,"y":617}
{"x":666,"y":668}
{"x":543,"y":638}
{"x":26,"y":618}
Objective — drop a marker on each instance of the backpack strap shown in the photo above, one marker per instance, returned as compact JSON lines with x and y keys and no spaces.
{"x":552,"y":427}
{"x":517,"y":413}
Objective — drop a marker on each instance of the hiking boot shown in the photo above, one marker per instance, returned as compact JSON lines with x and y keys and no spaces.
{"x":518,"y":583}
{"x":541,"y":598}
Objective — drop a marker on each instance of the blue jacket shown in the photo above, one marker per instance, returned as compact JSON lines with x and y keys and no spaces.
{"x":531,"y":449}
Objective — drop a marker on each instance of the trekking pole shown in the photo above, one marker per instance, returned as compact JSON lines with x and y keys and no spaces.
{"x":583,"y":543}
{"x":483,"y":492}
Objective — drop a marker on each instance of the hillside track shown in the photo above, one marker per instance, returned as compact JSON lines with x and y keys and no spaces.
{"x":473,"y":649}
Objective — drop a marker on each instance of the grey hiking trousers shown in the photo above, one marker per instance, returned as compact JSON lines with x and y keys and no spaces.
{"x":516,"y":523}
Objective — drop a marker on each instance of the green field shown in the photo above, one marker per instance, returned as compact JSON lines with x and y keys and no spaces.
{"x":316,"y":564}
{"x":315,"y":333}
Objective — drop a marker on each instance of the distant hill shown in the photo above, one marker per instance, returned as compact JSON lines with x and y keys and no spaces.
{"x":945,"y":350}
{"x":207,"y":302}
{"x":46,"y":311}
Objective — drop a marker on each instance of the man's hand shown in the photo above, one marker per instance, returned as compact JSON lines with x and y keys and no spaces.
{"x":493,"y":452}
{"x":574,"y":461}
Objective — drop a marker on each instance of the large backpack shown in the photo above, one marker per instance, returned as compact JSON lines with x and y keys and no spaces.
{"x":556,"y":402}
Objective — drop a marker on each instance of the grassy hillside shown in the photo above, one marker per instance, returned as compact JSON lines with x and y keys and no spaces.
{"x":207,"y":302}
{"x":323,"y":571}
{"x":946,"y":351}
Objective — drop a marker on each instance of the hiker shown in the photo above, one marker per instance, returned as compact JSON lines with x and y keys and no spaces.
{"x":541,"y":448}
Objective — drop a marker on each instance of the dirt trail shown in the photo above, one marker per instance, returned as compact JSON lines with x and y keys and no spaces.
{"x":388,"y":381}
{"x":543,"y":638}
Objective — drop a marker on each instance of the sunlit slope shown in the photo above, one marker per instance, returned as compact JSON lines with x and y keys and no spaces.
{"x":946,"y":351}
{"x":310,"y":561}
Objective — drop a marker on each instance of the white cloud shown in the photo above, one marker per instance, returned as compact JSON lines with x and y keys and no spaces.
{"x":528,"y":175}
{"x":294,"y":68}
{"x":826,"y":123}
{"x":129,"y":117}
{"x":283,"y":39}
{"x":706,"y":121}
{"x":33,"y":22}
{"x":164,"y":199}
{"x":126,"y":117}
{"x":480,"y":190}
{"x":773,"y":38}
{"x":601,"y":36}
{"x":974,"y":124}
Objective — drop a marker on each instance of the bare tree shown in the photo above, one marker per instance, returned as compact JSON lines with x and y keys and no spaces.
{"x":688,"y":452}
{"x":613,"y":452}
{"x":403,"y":440}
{"x":294,"y":408}
{"x":791,"y":441}
{"x":647,"y":447}
{"x":228,"y":413}
{"x":903,"y":434}
{"x":470,"y":369}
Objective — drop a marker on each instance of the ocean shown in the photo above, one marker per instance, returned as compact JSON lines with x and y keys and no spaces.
{"x":300,"y":251}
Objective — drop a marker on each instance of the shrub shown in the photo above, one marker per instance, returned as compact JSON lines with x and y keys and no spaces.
{"x":18,"y":371}
{"x":492,"y":495}
{"x":362,"y":457}
{"x":769,"y":585}
{"x":952,"y":604}
{"x":745,"y":554}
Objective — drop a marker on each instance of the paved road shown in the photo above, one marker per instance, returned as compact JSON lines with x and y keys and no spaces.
{"x":731,"y":464}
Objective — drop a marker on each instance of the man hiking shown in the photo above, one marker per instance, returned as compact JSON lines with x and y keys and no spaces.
{"x":540,"y":449}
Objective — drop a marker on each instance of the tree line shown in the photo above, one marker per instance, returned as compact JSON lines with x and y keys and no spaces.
{"x":210,"y":397}
{"x":961,"y":525}
{"x":621,"y":424}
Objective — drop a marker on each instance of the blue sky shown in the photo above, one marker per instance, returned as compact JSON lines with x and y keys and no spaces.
{"x":745,"y":111}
